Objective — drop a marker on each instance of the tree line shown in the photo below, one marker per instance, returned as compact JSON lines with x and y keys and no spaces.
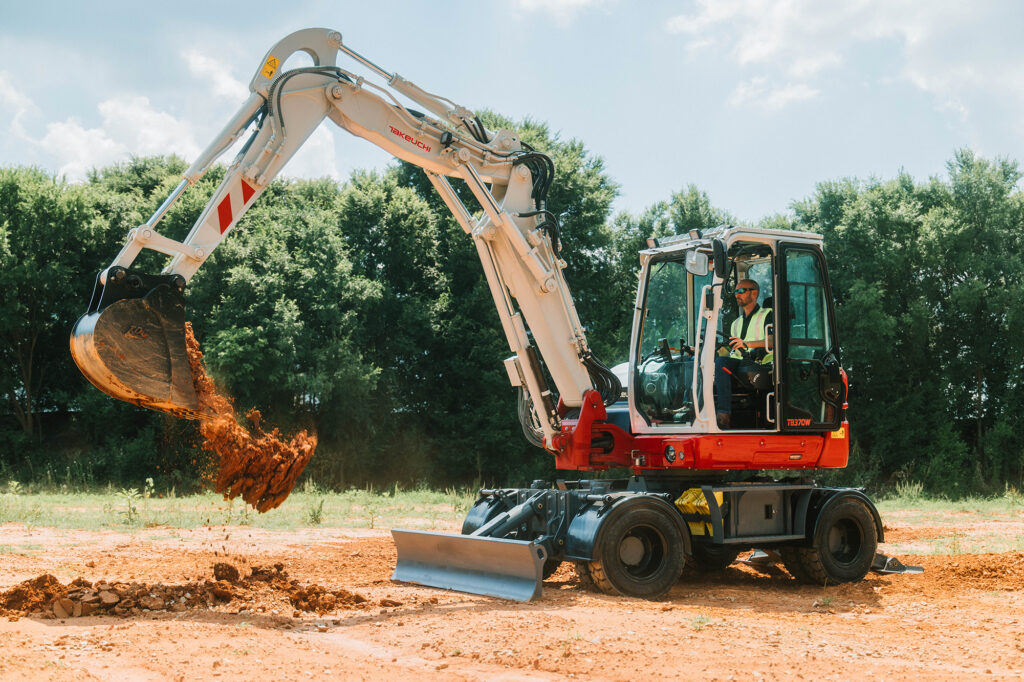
{"x":359,"y":310}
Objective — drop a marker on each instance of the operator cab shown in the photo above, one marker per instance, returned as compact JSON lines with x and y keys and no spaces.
{"x":686,"y":305}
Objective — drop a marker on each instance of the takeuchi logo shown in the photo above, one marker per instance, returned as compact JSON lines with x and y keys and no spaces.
{"x":409,"y":138}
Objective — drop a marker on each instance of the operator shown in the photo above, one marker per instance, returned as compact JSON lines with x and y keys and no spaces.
{"x":748,"y":332}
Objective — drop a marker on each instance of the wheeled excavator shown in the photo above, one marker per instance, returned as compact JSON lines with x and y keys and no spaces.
{"x":692,"y":495}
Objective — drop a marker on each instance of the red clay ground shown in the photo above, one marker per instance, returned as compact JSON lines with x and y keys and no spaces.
{"x":963,"y":618}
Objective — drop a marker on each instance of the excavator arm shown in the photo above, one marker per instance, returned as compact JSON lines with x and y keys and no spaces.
{"x":131,"y":341}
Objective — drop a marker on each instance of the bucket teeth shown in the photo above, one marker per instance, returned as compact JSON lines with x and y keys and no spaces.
{"x":131,"y":344}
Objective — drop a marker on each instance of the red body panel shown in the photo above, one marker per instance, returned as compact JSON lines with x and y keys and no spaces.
{"x":573,"y":447}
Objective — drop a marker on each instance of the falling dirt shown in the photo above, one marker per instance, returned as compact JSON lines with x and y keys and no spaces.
{"x":257,"y":465}
{"x":46,"y":596}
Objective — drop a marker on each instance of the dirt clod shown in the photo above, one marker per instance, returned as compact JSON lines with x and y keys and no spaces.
{"x":46,"y":596}
{"x":258,"y":465}
{"x":225,"y":572}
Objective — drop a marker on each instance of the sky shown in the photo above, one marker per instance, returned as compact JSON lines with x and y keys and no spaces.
{"x":752,"y":101}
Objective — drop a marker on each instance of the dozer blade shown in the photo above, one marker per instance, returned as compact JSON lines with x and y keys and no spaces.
{"x":890,"y":564}
{"x":496,"y":567}
{"x":131,"y":343}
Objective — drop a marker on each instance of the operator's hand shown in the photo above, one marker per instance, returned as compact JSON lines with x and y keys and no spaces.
{"x":736,"y":342}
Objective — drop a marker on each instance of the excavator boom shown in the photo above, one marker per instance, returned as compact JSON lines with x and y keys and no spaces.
{"x":131,"y":341}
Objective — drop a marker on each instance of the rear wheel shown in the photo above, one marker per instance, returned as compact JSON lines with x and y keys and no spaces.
{"x":845,"y":543}
{"x":639,"y":553}
{"x":794,"y":563}
{"x":709,"y":558}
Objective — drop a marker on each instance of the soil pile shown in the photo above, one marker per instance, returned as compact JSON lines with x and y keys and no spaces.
{"x":310,"y":598}
{"x":981,"y":571}
{"x":264,"y":587}
{"x":257,"y":465}
{"x":31,"y":595}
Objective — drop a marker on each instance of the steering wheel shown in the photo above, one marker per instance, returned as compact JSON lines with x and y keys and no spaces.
{"x":724,"y":343}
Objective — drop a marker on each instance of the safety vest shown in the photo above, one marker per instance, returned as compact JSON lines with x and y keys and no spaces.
{"x":755,"y":332}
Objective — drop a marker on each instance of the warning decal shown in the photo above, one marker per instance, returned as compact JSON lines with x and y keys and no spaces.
{"x":270,"y":66}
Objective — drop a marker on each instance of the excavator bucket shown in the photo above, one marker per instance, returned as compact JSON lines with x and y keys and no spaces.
{"x":131,"y":342}
{"x":496,"y":567}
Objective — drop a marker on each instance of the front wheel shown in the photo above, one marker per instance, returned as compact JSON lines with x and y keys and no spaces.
{"x":845,"y":543}
{"x":639,"y":553}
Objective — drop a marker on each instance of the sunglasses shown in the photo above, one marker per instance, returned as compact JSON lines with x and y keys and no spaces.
{"x":743,"y":290}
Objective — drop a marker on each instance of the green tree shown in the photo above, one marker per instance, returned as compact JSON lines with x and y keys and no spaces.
{"x":51,"y":236}
{"x":975,"y":240}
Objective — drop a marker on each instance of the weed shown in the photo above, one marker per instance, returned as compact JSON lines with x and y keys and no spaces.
{"x":129,"y":496}
{"x":955,"y":546}
{"x":33,"y":518}
{"x":316,"y":514}
{"x":568,"y":642}
{"x":147,"y":489}
{"x":909,"y":491}
{"x":1013,"y":496}
{"x":14,"y":488}
{"x":372,"y":514}
{"x":700,"y":621}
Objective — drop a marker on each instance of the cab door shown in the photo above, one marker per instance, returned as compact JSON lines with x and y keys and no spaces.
{"x":810,"y":383}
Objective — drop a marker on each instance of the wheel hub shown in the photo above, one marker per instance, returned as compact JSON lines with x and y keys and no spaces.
{"x":631,"y":551}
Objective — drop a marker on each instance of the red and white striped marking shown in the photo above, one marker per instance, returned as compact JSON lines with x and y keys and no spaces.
{"x":224,"y":213}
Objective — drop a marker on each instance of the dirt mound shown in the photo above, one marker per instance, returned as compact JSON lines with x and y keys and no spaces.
{"x":263,"y":589}
{"x":32,"y":595}
{"x":257,"y":465}
{"x":310,"y":598}
{"x":989,"y":571}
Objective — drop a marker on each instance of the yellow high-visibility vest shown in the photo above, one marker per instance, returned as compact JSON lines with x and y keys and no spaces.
{"x":755,"y":332}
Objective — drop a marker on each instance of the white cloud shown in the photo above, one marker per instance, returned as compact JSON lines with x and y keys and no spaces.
{"x":130,"y":126}
{"x":760,"y":92}
{"x":17,"y":102}
{"x":940,"y":46}
{"x":316,"y":158}
{"x":78,"y":149}
{"x":214,"y":71}
{"x":146,"y":130}
{"x":562,"y":11}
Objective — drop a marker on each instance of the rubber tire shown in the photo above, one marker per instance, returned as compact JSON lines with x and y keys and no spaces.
{"x":660,"y":564}
{"x":845,"y":543}
{"x":794,"y":563}
{"x":711,"y":558}
{"x":586,"y":581}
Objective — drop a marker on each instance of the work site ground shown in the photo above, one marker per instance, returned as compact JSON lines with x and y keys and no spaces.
{"x":242,"y":602}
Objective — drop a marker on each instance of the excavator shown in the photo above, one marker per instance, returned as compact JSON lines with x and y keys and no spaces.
{"x":691,"y":494}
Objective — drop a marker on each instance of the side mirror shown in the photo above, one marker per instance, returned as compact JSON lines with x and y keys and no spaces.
{"x":697,"y":263}
{"x":721,"y":258}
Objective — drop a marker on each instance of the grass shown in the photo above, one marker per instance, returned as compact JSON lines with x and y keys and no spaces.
{"x":309,"y":506}
{"x":910,"y":497}
{"x":27,"y":549}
